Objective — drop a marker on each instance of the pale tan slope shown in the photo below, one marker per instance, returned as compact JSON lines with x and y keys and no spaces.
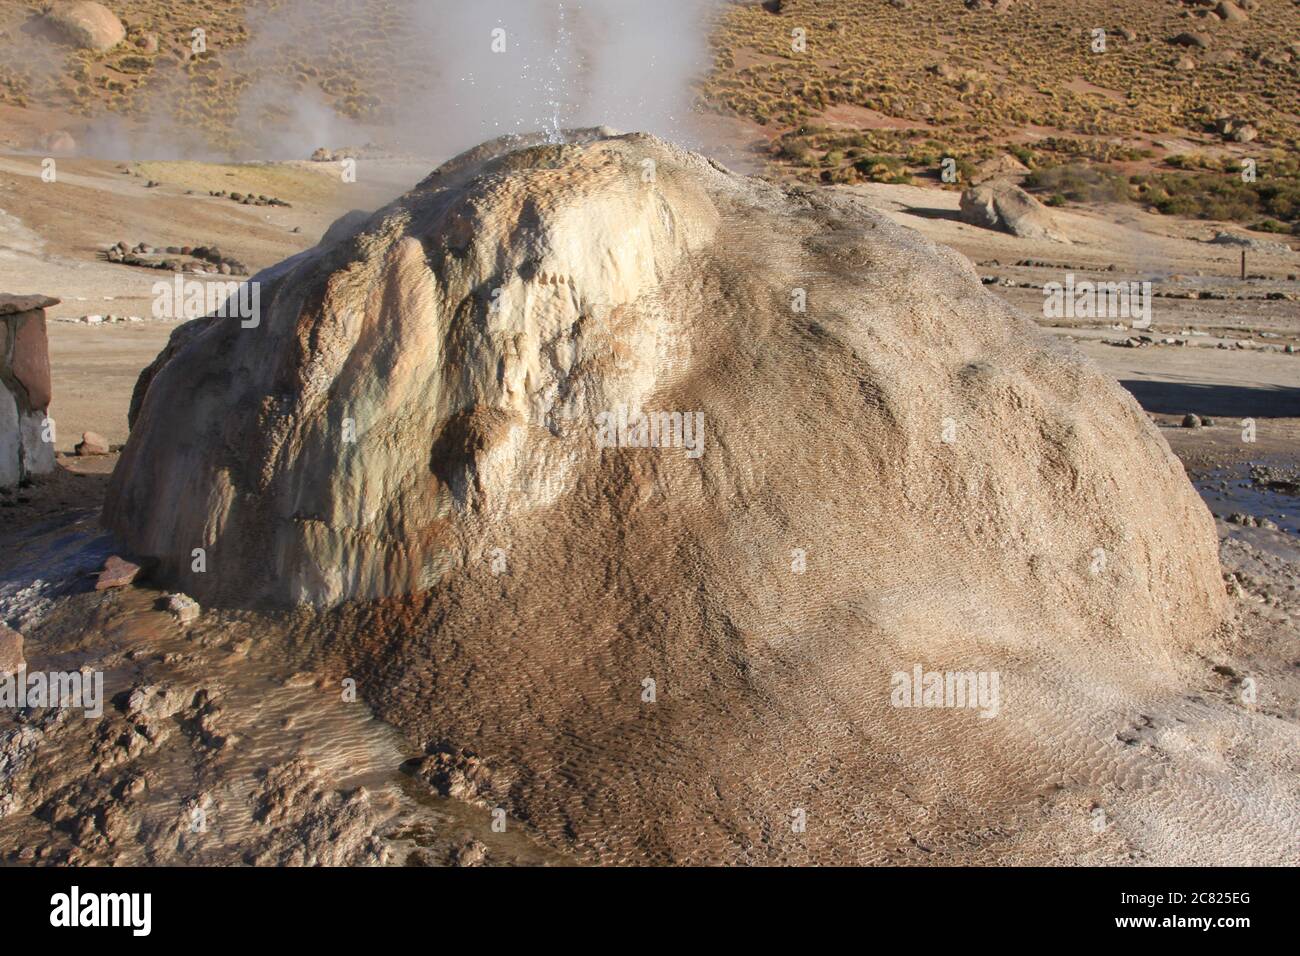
{"x":1054,"y":539}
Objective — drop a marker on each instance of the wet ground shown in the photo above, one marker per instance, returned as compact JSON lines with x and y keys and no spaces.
{"x":216,"y":744}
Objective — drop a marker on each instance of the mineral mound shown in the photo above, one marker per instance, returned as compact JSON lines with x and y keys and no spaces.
{"x":660,"y":644}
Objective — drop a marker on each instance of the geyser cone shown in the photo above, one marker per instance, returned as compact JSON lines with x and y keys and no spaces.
{"x":896,"y":469}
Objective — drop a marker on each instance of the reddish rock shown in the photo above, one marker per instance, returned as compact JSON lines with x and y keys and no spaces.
{"x":11,"y":651}
{"x":31,"y":357}
{"x":10,"y":304}
{"x":24,"y":388}
{"x":92,"y":444}
{"x":117,"y":573}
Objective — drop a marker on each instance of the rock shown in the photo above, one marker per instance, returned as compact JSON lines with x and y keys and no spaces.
{"x":91,"y":26}
{"x":322,"y":155}
{"x":1004,"y":206}
{"x":1229,"y":11}
{"x":1191,"y":421}
{"x":471,"y":853}
{"x":148,"y":42}
{"x":184,"y":607}
{"x":11,"y":651}
{"x":91,"y":444}
{"x":29,"y":361}
{"x":1199,"y":41}
{"x":117,"y":573}
{"x":155,"y":702}
{"x":25,"y":388}
{"x":460,"y":775}
{"x":766,"y":612}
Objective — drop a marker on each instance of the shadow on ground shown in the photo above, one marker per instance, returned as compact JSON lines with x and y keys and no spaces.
{"x":1177,"y":398}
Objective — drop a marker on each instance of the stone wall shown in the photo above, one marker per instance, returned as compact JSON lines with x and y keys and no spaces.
{"x":24,"y":387}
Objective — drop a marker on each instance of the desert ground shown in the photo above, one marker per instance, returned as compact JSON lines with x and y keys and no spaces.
{"x":242,"y":725}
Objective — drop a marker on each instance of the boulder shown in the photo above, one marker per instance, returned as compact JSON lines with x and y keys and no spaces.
{"x":24,"y":388}
{"x":437,"y":444}
{"x":1002,"y":205}
{"x":91,"y":26}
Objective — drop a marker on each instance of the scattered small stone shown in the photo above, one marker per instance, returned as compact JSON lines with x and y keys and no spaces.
{"x":184,"y":607}
{"x":92,"y":443}
{"x":472,"y":853}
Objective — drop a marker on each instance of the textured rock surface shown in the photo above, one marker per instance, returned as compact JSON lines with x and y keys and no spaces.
{"x":91,"y":26}
{"x":11,"y":650}
{"x":1002,"y":205}
{"x":24,"y":387}
{"x":906,"y":472}
{"x":117,"y":573}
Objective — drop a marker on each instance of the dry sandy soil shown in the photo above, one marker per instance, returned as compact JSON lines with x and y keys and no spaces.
{"x":250,"y":731}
